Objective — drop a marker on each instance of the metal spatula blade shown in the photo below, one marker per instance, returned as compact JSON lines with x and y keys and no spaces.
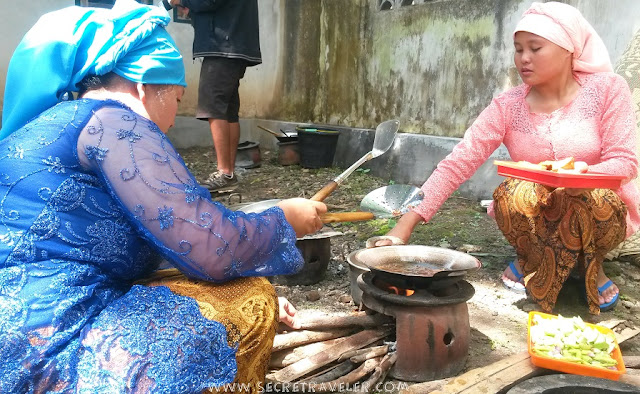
{"x":391,"y":201}
{"x":382,"y":141}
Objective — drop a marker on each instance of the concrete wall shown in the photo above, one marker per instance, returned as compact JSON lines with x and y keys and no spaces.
{"x":434,"y":66}
{"x":18,"y":17}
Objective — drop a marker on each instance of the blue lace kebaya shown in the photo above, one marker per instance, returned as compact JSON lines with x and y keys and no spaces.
{"x":90,"y":194}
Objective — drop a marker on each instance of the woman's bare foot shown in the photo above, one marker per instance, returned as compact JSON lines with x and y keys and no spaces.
{"x":610,"y":292}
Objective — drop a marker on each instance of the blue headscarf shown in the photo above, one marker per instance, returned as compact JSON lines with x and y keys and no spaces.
{"x":65,"y":46}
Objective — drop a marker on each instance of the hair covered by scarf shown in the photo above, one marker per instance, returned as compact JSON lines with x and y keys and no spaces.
{"x":565,"y":26}
{"x":65,"y":46}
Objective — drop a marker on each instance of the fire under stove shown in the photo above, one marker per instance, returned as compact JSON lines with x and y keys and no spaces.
{"x":432,"y":318}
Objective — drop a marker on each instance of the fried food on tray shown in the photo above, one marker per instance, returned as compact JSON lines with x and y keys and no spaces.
{"x":567,"y":165}
{"x":532,"y":166}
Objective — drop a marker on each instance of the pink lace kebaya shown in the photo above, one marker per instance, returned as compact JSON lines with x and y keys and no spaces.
{"x":597,"y":127}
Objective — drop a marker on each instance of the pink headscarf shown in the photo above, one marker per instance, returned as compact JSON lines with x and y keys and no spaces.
{"x":565,"y":26}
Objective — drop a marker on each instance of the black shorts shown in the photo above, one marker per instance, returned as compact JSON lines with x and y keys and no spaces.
{"x":218,"y":96}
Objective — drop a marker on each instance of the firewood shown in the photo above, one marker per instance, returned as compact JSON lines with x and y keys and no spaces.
{"x":631,"y":361}
{"x":327,"y":387}
{"x":355,"y":341}
{"x":632,"y":376}
{"x":426,"y":387}
{"x":470,"y":378}
{"x":379,"y":373}
{"x":626,"y":333}
{"x":359,"y":320}
{"x":289,"y":356}
{"x":356,"y":352}
{"x":332,"y":373}
{"x":370,"y":352}
{"x":297,"y":338}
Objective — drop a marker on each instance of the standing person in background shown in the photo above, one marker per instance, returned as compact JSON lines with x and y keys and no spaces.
{"x":226,"y":36}
{"x":570,"y":104}
{"x":92,"y":193}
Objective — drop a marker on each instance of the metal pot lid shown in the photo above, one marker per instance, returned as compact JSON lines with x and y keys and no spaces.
{"x":416,"y":260}
{"x":260,"y":206}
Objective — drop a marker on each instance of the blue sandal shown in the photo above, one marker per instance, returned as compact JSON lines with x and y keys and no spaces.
{"x":518,"y":286}
{"x":614,"y":301}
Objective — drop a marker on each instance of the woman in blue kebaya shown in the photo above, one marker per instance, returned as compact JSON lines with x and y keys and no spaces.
{"x":92,"y":193}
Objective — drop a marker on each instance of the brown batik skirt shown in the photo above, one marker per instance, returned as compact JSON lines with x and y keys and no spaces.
{"x":555,"y":232}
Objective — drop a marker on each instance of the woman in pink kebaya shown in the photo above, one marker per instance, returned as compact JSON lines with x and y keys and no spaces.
{"x":570,"y":104}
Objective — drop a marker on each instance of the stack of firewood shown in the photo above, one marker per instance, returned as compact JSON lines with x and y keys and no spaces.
{"x":330,"y":353}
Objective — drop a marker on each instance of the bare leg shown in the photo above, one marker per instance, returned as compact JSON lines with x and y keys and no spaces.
{"x":220,"y":133}
{"x":234,"y":139}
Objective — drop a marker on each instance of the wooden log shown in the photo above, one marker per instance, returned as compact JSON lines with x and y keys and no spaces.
{"x":297,"y":338}
{"x":333,"y":373}
{"x":379,"y":373}
{"x":360,"y":319}
{"x":426,"y":387}
{"x":356,"y":352}
{"x":320,"y":371}
{"x":347,"y":380}
{"x":371,"y":352}
{"x":626,"y":334}
{"x":305,"y":366}
{"x":473,"y":376}
{"x":631,"y":361}
{"x":285,"y":357}
{"x":631,"y":377}
{"x":611,"y":323}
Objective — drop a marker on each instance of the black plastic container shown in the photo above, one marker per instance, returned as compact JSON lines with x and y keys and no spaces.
{"x":317,"y":146}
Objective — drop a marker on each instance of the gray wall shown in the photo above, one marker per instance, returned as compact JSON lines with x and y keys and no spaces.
{"x":434,"y":66}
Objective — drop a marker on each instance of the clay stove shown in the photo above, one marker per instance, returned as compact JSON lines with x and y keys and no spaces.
{"x":432,"y":319}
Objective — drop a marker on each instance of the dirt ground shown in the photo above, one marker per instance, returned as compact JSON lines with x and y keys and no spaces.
{"x":497,"y":316}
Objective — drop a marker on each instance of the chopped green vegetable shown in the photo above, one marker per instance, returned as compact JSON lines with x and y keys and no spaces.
{"x":571,"y":339}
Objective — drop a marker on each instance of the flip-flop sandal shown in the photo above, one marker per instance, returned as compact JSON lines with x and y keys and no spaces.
{"x":614,"y":301}
{"x":518,"y":285}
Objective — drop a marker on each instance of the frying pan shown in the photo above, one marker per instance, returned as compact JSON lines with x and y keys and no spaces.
{"x":416,"y":265}
{"x":384,"y":137}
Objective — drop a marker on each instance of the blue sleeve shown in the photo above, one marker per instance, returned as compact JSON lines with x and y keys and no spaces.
{"x":202,"y":238}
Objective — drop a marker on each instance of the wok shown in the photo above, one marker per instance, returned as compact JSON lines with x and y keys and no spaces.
{"x":411,"y":266}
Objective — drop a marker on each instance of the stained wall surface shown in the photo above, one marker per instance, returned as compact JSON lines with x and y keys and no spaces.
{"x":434,"y":65}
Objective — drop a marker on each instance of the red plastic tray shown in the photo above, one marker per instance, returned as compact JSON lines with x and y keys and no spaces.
{"x":590,"y":180}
